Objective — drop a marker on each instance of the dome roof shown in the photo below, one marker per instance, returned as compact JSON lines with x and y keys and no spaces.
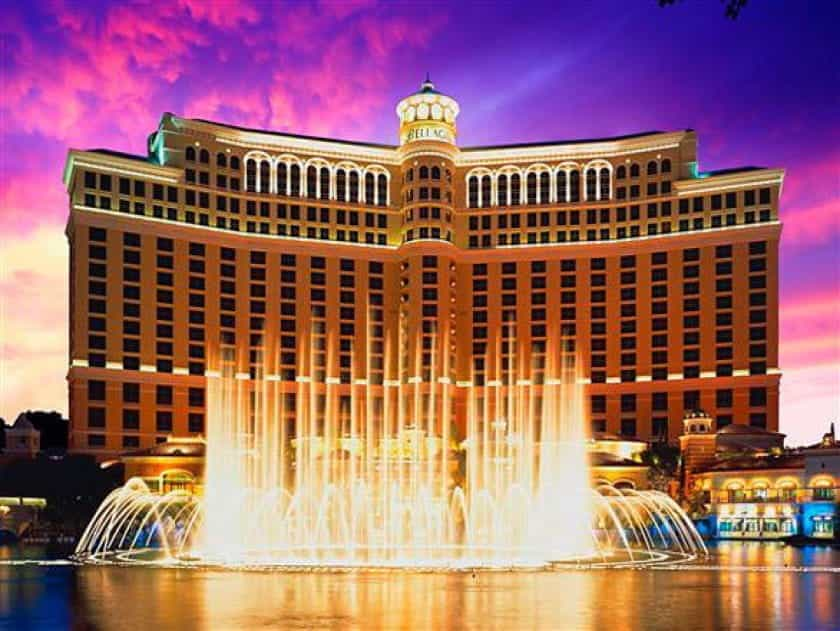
{"x":428,"y":106}
{"x":428,"y":87}
{"x":737,"y":428}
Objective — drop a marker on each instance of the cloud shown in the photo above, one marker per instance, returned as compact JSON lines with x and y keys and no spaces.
{"x":33,"y":322}
{"x":225,"y":15}
{"x":810,"y":361}
{"x":810,"y":202}
{"x":100,"y":75}
{"x":810,"y":400}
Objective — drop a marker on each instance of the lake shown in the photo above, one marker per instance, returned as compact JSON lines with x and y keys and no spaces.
{"x":744,"y":585}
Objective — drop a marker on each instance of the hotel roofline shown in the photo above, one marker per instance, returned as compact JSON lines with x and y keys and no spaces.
{"x":464,"y":157}
{"x":127,"y":164}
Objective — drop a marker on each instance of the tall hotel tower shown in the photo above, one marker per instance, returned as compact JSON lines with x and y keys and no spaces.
{"x":463,"y":271}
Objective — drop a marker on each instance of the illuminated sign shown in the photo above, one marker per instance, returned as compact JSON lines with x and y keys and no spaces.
{"x":428,"y":132}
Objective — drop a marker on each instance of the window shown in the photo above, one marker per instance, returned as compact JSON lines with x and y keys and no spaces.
{"x":382,"y":190}
{"x":502,"y":190}
{"x":574,"y":186}
{"x":96,"y":390}
{"x":591,"y":179}
{"x":515,"y":189}
{"x":531,"y":188}
{"x":604,"y":183}
{"x":131,"y":419}
{"x":325,"y":183}
{"x":163,"y":421}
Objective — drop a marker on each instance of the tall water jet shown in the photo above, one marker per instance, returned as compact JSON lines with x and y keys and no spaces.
{"x":324,"y":473}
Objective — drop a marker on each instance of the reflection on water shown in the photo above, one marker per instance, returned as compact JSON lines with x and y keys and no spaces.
{"x":709,"y":596}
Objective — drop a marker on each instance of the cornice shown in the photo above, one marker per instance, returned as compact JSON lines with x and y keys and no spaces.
{"x":278,"y":142}
{"x":726,"y":181}
{"x":119,"y":165}
{"x":571,"y":151}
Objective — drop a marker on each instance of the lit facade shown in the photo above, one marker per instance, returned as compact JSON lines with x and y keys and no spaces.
{"x":462,"y":271}
{"x":752,"y":492}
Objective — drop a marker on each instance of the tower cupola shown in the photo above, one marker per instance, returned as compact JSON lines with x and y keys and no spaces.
{"x":427,"y":115}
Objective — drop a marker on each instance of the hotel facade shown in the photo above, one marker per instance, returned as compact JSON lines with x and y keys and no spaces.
{"x":464,"y":272}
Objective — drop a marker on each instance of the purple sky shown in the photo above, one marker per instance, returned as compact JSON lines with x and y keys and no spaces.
{"x":763,"y":90}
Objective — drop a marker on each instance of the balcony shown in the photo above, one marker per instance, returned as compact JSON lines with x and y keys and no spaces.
{"x":760,"y":496}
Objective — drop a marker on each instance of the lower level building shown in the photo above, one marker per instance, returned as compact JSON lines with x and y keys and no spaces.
{"x":766,"y":493}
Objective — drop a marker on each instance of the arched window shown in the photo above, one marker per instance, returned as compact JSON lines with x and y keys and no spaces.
{"x":590,"y":184}
{"x":485,"y":191}
{"x":435,"y":173}
{"x":282,"y":177}
{"x":189,"y":154}
{"x":221,"y":160}
{"x":666,"y":166}
{"x":531,"y":184}
{"x":621,"y":172}
{"x":424,"y":173}
{"x":265,"y":176}
{"x":604,"y":182}
{"x":634,"y":170}
{"x":341,"y":185}
{"x":382,"y":189}
{"x":502,"y":192}
{"x":294,"y":180}
{"x":515,"y":189}
{"x":325,"y":183}
{"x":354,"y":186}
{"x":369,"y":187}
{"x":472,"y":187}
{"x":204,"y":156}
{"x":545,"y":187}
{"x":234,"y":162}
{"x":562,"y":183}
{"x":651,"y":168}
{"x":409,"y":175}
{"x":312,"y":182}
{"x":250,"y":175}
{"x":574,"y":186}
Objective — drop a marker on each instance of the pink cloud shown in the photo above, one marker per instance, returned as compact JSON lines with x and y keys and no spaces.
{"x":813,"y":223}
{"x":101,"y":76}
{"x":222,"y":14}
{"x":810,"y":202}
{"x":810,"y":362}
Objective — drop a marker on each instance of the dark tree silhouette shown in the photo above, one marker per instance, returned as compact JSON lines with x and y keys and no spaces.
{"x":53,"y":429}
{"x":73,"y":486}
{"x":732,"y":8}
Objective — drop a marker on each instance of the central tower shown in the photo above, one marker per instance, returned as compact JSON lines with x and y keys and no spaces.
{"x":427,"y":268}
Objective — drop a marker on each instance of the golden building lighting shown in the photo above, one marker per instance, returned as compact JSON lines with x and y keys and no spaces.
{"x":314,"y":259}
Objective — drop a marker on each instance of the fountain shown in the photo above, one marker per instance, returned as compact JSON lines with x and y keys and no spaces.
{"x":380,"y":477}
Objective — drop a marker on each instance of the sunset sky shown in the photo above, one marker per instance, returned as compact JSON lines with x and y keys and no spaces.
{"x":762,"y":90}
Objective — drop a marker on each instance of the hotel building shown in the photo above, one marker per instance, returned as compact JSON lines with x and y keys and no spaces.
{"x":463,"y":271}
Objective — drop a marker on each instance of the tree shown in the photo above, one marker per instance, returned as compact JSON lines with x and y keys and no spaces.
{"x":53,"y":429}
{"x":73,"y":486}
{"x":732,"y":8}
{"x":663,"y":461}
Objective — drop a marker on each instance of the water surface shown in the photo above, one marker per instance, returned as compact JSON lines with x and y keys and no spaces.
{"x":744,"y":585}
